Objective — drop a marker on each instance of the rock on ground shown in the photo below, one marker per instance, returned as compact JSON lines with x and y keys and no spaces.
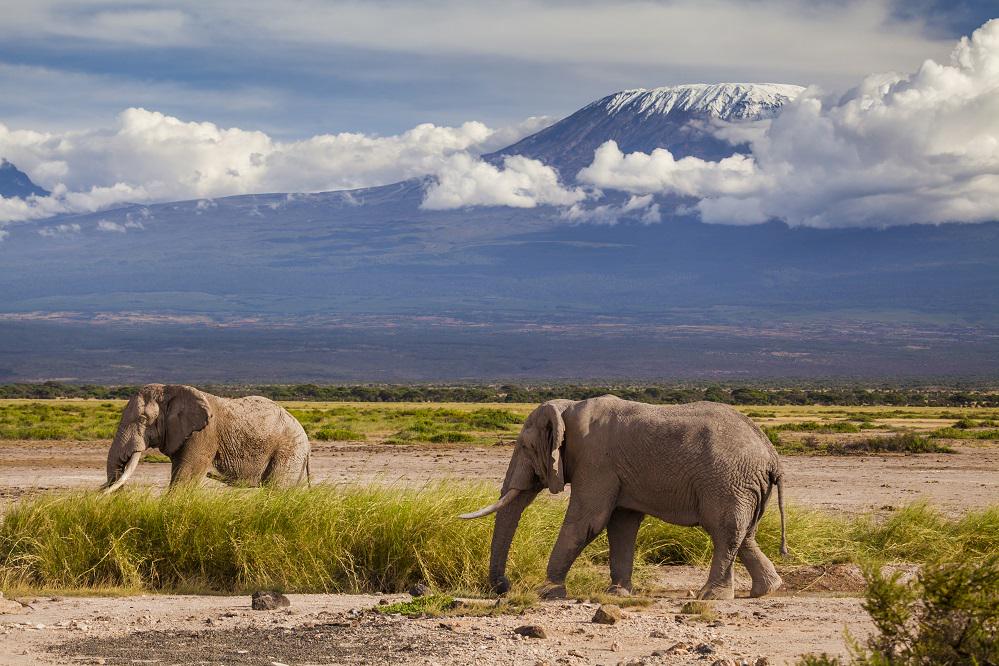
{"x":263,"y":600}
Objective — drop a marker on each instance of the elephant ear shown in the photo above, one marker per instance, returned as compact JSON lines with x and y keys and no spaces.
{"x":186,"y":412}
{"x":554,"y":438}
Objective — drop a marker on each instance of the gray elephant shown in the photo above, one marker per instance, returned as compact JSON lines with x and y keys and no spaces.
{"x":249,"y":441}
{"x":696,"y":464}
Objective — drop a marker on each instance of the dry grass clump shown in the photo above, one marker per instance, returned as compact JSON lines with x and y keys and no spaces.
{"x":367,"y":539}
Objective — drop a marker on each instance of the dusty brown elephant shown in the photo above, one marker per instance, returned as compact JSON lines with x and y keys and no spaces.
{"x":249,"y":441}
{"x":696,"y":464}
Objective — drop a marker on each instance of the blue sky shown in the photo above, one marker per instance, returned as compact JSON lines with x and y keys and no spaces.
{"x":301,"y":68}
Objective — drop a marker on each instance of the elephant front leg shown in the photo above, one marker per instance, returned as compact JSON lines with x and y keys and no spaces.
{"x":622,"y":530}
{"x":580,"y":527}
{"x":189,"y":467}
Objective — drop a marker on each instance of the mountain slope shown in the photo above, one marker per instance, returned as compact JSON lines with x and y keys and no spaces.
{"x":348,"y":277}
{"x":15,"y":183}
{"x":678,"y":117}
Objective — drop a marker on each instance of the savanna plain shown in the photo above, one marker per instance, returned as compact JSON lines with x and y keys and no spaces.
{"x":143,"y":576}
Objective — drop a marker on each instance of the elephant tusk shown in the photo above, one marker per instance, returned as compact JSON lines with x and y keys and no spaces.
{"x":492,"y":508}
{"x":133,"y":462}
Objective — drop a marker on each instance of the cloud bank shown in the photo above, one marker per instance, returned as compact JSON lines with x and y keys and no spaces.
{"x":149,"y":156}
{"x":465,"y":180}
{"x":896,"y":149}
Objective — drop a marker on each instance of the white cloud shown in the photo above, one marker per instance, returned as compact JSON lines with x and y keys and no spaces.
{"x":838,"y":38}
{"x":465,"y":180}
{"x":643,"y":208}
{"x":60,"y":230}
{"x":659,"y":172}
{"x":117,"y":227}
{"x":920,"y":148}
{"x":149,"y":156}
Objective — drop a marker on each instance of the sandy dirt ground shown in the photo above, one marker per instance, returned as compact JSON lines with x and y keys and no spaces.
{"x":855,"y":484}
{"x":342,"y":629}
{"x":809,"y":615}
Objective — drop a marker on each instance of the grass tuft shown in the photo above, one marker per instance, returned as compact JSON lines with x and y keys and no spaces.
{"x":381,"y":539}
{"x":432,"y":605}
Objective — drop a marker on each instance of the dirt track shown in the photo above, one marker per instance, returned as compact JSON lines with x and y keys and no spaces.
{"x":809,"y":615}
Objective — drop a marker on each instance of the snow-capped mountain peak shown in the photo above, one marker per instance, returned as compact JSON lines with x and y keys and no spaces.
{"x":726,"y":101}
{"x":643,"y":120}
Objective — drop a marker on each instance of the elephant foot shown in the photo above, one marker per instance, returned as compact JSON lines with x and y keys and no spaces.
{"x":501,"y":585}
{"x":708,"y":593}
{"x":619,"y":591}
{"x":765,"y":586}
{"x":550,"y":591}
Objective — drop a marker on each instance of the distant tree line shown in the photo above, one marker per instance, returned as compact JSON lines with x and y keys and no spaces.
{"x":855,"y":395}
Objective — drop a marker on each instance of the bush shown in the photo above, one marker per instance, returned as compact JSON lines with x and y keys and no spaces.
{"x":819,"y":426}
{"x":450,"y":436}
{"x":949,"y":614}
{"x":905,"y":442}
{"x":339,"y":435}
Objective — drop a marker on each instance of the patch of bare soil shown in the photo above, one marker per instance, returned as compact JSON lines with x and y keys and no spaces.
{"x":341,"y":629}
{"x":829,"y":578}
{"x":371,"y":641}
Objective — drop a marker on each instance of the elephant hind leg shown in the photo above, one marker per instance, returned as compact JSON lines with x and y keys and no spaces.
{"x":721,"y":581}
{"x":761,"y":569}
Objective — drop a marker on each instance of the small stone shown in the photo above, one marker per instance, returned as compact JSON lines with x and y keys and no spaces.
{"x":704,"y":648}
{"x":716,"y":623}
{"x":679,"y":648}
{"x":659,"y":634}
{"x":447,"y":626}
{"x":531,"y":631}
{"x":762,"y":661}
{"x":724,"y":662}
{"x":608,"y":614}
{"x":419,"y":590}
{"x":383,"y":602}
{"x":615,"y":647}
{"x":262,"y":600}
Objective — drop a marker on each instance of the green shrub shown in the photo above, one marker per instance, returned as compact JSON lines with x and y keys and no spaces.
{"x":959,"y":433}
{"x":339,"y":435}
{"x":819,"y":426}
{"x":903,"y":442}
{"x":450,"y":437}
{"x":949,"y":614}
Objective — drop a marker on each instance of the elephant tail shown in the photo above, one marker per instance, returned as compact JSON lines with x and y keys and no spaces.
{"x":778,"y":481}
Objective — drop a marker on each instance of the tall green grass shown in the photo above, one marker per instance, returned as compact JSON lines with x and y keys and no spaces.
{"x":363,"y":539}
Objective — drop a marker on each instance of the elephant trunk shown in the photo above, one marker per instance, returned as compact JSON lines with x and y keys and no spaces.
{"x":133,"y":462}
{"x":124,"y":456}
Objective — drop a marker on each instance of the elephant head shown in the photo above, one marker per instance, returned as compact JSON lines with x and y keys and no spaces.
{"x":158,"y":416}
{"x":537,"y":463}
